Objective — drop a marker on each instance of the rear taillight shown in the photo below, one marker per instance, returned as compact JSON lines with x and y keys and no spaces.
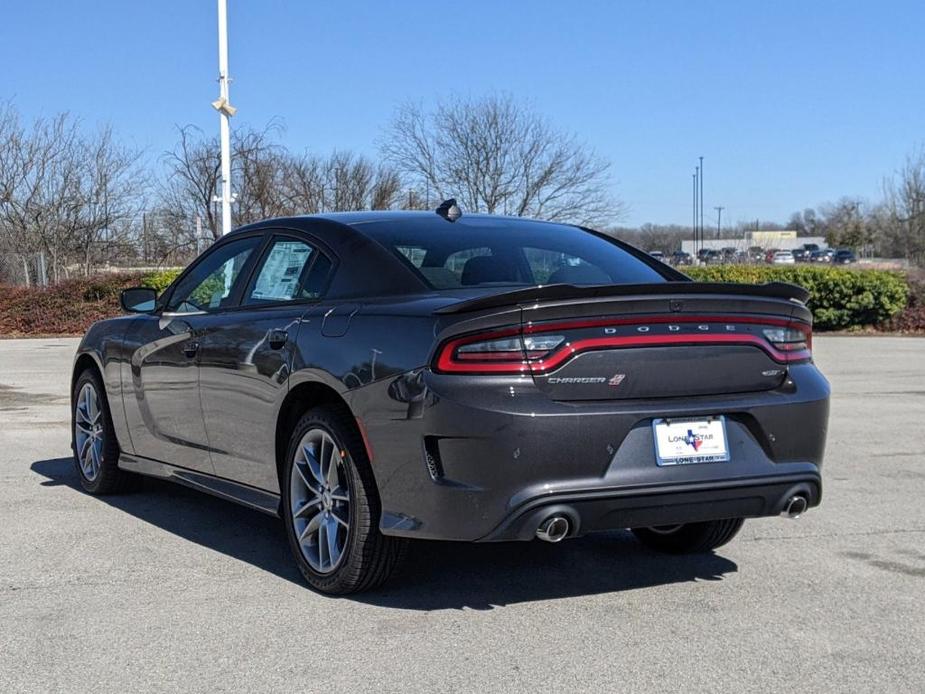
{"x":501,"y":353}
{"x":790,"y":340}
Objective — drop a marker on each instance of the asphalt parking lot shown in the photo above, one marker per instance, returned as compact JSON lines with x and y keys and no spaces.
{"x":169,"y":590}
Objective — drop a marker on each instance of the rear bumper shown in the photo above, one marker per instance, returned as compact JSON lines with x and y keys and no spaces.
{"x":595,"y":510}
{"x":485,"y":459}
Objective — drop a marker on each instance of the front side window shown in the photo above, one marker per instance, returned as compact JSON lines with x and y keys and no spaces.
{"x":209,"y":285}
{"x":283,"y":273}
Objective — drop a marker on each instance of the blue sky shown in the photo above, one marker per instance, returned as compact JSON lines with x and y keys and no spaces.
{"x":792,"y":103}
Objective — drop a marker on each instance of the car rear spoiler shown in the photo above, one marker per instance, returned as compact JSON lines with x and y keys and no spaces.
{"x":552,"y":292}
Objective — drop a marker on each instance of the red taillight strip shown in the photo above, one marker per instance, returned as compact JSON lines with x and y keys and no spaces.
{"x":805,"y":328}
{"x":447,"y":364}
{"x":642,"y":320}
{"x":589,"y":344}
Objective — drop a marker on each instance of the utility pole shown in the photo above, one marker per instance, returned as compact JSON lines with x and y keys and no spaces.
{"x":697,"y":237}
{"x":719,"y":217}
{"x":694,"y":225}
{"x":700,"y":206}
{"x":225,"y":111}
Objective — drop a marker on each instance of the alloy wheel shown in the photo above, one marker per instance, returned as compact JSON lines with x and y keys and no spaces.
{"x":88,"y":431}
{"x":319,"y":500}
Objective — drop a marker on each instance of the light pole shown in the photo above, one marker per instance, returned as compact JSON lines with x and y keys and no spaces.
{"x":700,"y":204}
{"x":719,"y":217}
{"x":225,"y":111}
{"x":694,"y":227}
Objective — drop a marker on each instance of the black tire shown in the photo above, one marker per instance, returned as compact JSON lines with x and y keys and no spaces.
{"x":369,"y":557}
{"x":692,"y":538}
{"x":109,"y":479}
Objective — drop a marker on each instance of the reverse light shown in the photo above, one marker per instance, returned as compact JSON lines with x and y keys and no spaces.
{"x":788,"y":339}
{"x":538,"y":345}
{"x":506,"y":348}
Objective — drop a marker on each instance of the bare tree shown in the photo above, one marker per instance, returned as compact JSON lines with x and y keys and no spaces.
{"x":845,"y":224}
{"x":267,"y":181}
{"x":905,"y":200}
{"x":497,"y":156}
{"x":60,"y":188}
{"x":192,"y":174}
{"x":258,"y":174}
{"x":110,"y":195}
{"x":33,"y":177}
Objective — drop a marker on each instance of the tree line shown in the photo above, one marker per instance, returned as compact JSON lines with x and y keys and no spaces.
{"x":82,"y":199}
{"x":891,"y":227}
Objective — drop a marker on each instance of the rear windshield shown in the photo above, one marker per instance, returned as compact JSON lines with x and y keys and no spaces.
{"x":491,"y":252}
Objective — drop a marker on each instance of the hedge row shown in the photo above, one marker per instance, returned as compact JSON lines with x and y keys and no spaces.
{"x":840,"y":298}
{"x":70,"y":307}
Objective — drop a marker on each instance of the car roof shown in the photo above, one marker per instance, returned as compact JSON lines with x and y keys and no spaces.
{"x":375,"y":269}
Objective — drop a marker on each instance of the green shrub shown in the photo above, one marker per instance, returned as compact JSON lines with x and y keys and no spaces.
{"x":840,"y":298}
{"x":160,"y":279}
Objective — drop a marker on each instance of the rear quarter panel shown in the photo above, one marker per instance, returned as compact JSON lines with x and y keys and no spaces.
{"x":377,"y":366}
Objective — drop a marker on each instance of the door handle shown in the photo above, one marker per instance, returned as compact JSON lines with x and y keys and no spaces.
{"x":190,"y":349}
{"x":277,"y":338}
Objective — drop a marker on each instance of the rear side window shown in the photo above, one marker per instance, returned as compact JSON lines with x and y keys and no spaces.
{"x":281,"y":275}
{"x":317,"y":279}
{"x":290,"y":270}
{"x":484,"y":252}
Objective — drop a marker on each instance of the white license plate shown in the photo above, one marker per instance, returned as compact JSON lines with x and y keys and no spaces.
{"x":687,"y":441}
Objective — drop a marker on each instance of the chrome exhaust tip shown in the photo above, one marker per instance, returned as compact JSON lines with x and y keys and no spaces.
{"x":553,"y":529}
{"x":794,"y":507}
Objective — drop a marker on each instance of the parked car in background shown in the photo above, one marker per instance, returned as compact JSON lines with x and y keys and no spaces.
{"x":374,"y":377}
{"x":844,"y":256}
{"x":804,"y":253}
{"x":782,"y":258}
{"x":822,"y":256}
{"x":681,"y":258}
{"x":769,"y":255}
{"x":712,"y":257}
{"x":755,"y":254}
{"x":658,"y":255}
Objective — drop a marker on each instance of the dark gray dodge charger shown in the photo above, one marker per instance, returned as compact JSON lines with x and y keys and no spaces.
{"x":375,"y":377}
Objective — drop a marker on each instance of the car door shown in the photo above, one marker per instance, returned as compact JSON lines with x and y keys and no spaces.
{"x":162,"y":404}
{"x":246,"y":355}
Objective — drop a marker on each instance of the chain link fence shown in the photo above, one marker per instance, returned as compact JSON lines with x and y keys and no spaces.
{"x":23,"y":269}
{"x":33,"y":269}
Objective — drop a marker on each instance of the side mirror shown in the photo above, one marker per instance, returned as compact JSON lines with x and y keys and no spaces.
{"x":138,"y":299}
